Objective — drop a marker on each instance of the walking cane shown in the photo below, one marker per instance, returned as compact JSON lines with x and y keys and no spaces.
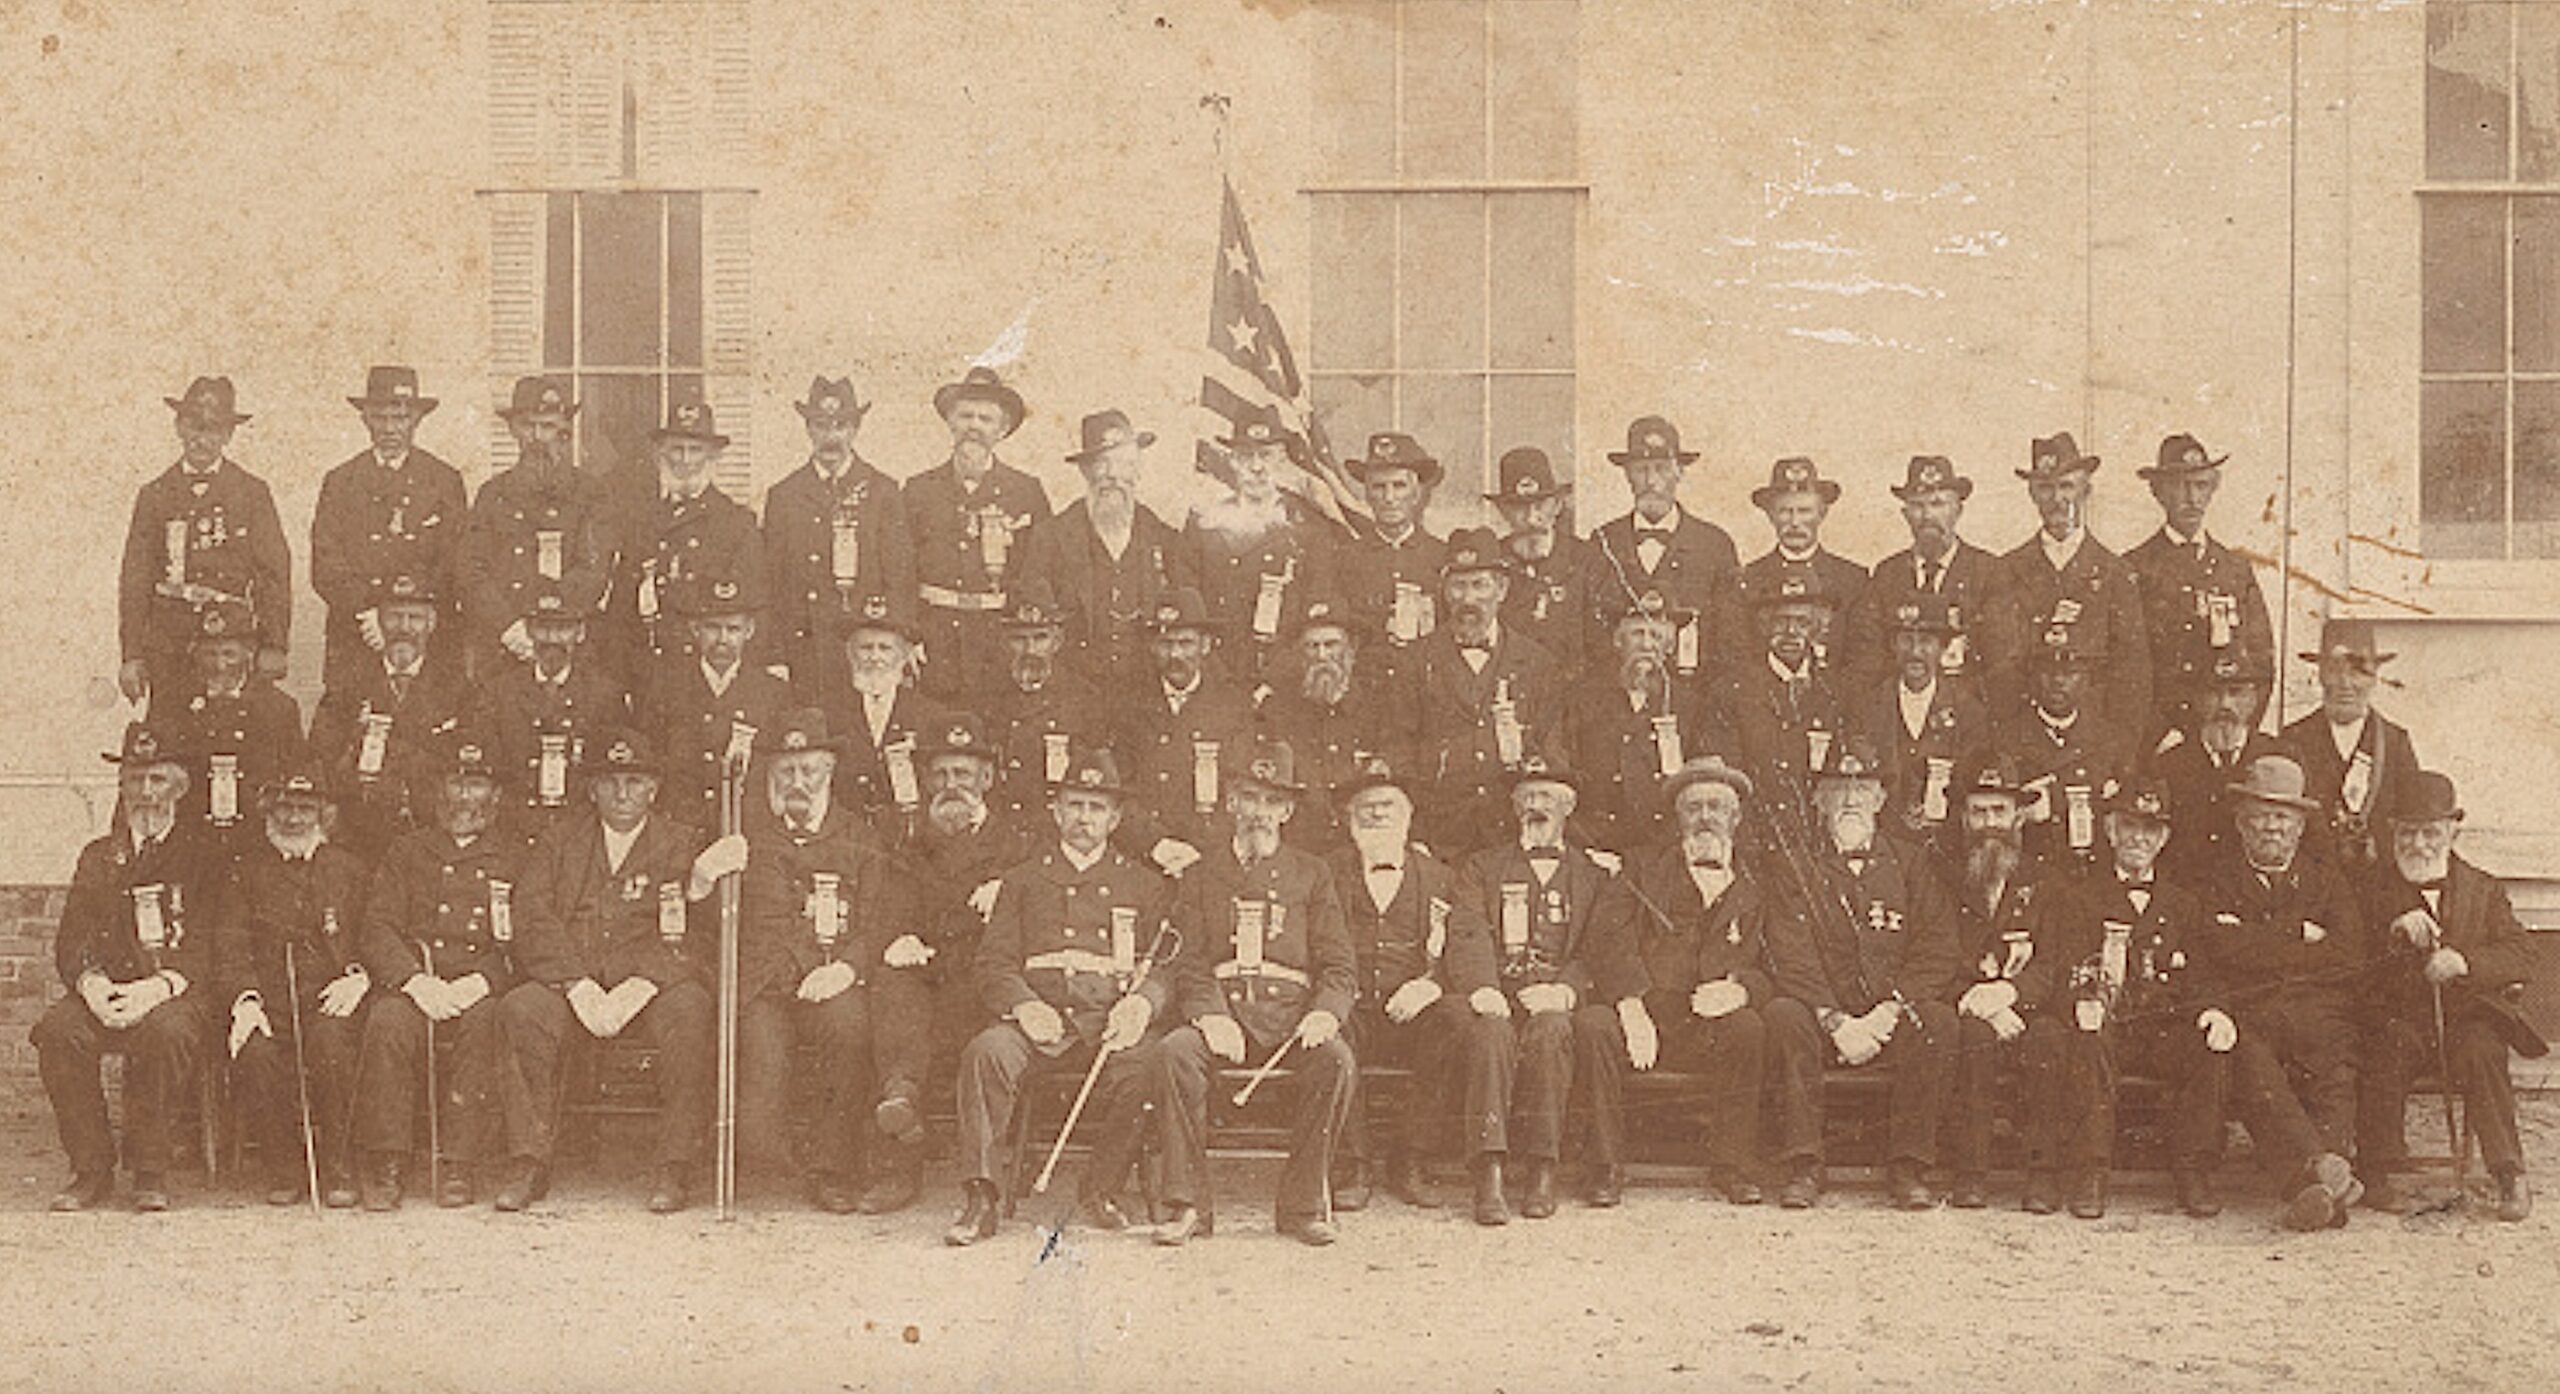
{"x":435,"y":1093}
{"x":1264,"y":1072}
{"x":302,"y":1078}
{"x":1057,"y":1149}
{"x":724,"y":1183}
{"x":2454,"y":1138}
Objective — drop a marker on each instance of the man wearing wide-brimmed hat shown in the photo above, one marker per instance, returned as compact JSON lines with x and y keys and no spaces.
{"x":1389,"y":579}
{"x":1338,"y":708}
{"x":542,"y":520}
{"x":1183,"y":729}
{"x":1262,"y":552}
{"x":538,"y":716}
{"x":1999,"y":886}
{"x":1040,"y":710}
{"x":2200,"y":599}
{"x":836,"y":525}
{"x":2454,"y":961}
{"x":2064,"y":745}
{"x":1940,"y":563}
{"x":1783,"y":709}
{"x":237,"y":732}
{"x":1796,"y":500}
{"x":391,"y":509}
{"x":2352,"y":756}
{"x":1630,"y":724}
{"x":1486,"y":699}
{"x":2289,"y":952}
{"x":374,"y":730}
{"x":203,"y":530}
{"x":2065,"y":573}
{"x":2199,"y":764}
{"x":1102,"y":564}
{"x":1658,"y":544}
{"x":1922,"y":718}
{"x":969,"y":516}
{"x":672,"y":533}
{"x":1550,"y":566}
{"x":695,"y":711}
{"x":872,"y":702}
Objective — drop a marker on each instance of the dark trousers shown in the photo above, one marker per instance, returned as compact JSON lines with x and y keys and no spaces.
{"x":391,"y":1072}
{"x":2395,"y":1050}
{"x":1974,"y":1094}
{"x":162,"y":1053}
{"x":1322,"y":1078}
{"x":1527,"y":1064}
{"x":1428,"y":1047}
{"x":856,"y":1035}
{"x":992,"y":1067}
{"x":271,"y":1102}
{"x":2071,"y":1089}
{"x":1725,"y":1053}
{"x":2293,"y":1078}
{"x":541,"y":1028}
{"x":1917,"y":1059}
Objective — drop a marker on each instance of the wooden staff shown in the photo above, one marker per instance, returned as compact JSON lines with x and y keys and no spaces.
{"x":1264,"y":1072}
{"x":725,"y":1167}
{"x":302,"y":1078}
{"x":435,"y":1094}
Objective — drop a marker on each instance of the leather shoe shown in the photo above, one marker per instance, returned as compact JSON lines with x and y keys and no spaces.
{"x":1803,"y":1187}
{"x":283,"y":1192}
{"x":1490,"y":1207}
{"x":1185,"y":1224}
{"x":833,"y":1194}
{"x":1540,"y":1201}
{"x":1352,"y":1192}
{"x":84,"y":1191}
{"x":2310,"y":1208}
{"x":2195,"y":1192}
{"x":978,"y":1211}
{"x":2339,"y":1178}
{"x":1313,"y":1230}
{"x":1407,"y":1182}
{"x":150,"y":1193}
{"x":340,"y":1192}
{"x":2515,"y":1197}
{"x":521,"y":1182}
{"x":1608,"y":1187}
{"x":1907,"y":1190}
{"x":1103,"y":1212}
{"x":671,"y":1194}
{"x":2040,"y":1198}
{"x":897,"y":1116}
{"x":894,"y":1189}
{"x":381,"y":1188}
{"x":1971,"y":1192}
{"x":2382,"y":1192}
{"x":2089,"y":1195}
{"x":1734,"y":1184}
{"x":457,"y":1191}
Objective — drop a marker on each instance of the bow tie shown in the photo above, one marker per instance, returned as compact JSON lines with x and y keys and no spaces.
{"x":1376,"y":867}
{"x":1659,"y":532}
{"x":1544,"y":854}
{"x":2434,"y":885}
{"x":1701,"y":862}
{"x":2131,"y":884}
{"x":801,"y":832}
{"x":1465,"y":647}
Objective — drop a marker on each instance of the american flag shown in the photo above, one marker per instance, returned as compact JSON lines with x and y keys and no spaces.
{"x":1250,"y":366}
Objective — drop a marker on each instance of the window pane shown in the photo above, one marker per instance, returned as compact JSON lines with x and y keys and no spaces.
{"x":1533,"y":88}
{"x":1446,"y":414}
{"x":2467,"y":50}
{"x":684,"y":280}
{"x":619,"y":285}
{"x":1443,"y":89}
{"x":559,"y":291}
{"x":2537,"y":469}
{"x":2538,"y":92}
{"x":2461,"y":470}
{"x":1354,"y":55}
{"x":1440,"y":281}
{"x":2463,"y":284}
{"x":1535,"y":411}
{"x":615,"y":415}
{"x":1533,"y":274}
{"x":1354,"y":290}
{"x":2537,"y":272}
{"x":1349,"y":408}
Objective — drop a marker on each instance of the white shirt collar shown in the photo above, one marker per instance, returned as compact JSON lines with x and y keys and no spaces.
{"x":2180,"y":540}
{"x":719,"y":682}
{"x":1785,"y":673}
{"x":1082,"y":861}
{"x":617,"y":846}
{"x":2060,"y":553}
{"x":391,"y":462}
{"x":1915,"y":705}
{"x":2348,"y":737}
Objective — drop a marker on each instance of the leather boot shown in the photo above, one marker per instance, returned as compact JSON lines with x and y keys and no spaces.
{"x":2515,"y":1197}
{"x":2089,"y":1194}
{"x":1608,"y":1187}
{"x":1734,"y":1184}
{"x":1351,"y":1194}
{"x":1407,"y":1182}
{"x":1972,"y":1191}
{"x":899,"y":1181}
{"x":85,"y":1191}
{"x":1540,"y":1200}
{"x":1490,"y":1207}
{"x":523,"y":1180}
{"x":2040,"y":1197}
{"x":2195,"y":1192}
{"x":978,"y":1212}
{"x":380,"y":1190}
{"x":1803,"y":1188}
{"x":672,"y":1193}
{"x":1903,"y":1184}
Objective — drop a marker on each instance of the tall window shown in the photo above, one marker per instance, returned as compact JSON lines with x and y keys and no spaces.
{"x":618,"y":253}
{"x":1445,"y":216}
{"x":2489,"y":359}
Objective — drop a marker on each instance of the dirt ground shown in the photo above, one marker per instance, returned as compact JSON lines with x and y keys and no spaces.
{"x":1671,"y":1292}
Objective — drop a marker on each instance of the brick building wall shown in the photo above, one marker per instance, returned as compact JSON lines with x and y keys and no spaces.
{"x":28,"y":984}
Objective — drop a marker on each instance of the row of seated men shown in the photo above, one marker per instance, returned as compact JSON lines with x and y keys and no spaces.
{"x":1754,"y":946}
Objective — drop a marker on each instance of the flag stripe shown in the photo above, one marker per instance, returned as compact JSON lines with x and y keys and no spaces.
{"x":1250,"y":367}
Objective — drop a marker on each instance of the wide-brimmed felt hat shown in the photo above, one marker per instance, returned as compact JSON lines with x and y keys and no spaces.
{"x":1092,"y":770}
{"x":1652,"y":605}
{"x":1257,"y":427}
{"x":1927,"y":474}
{"x":1272,"y":765}
{"x":1395,"y":450}
{"x":210,"y":401}
{"x":2351,"y":639}
{"x":796,"y":731}
{"x":1924,"y":612}
{"x":1369,"y":771}
{"x":689,"y":419}
{"x":2426,"y":796}
{"x":1106,"y":430}
{"x":832,"y":400}
{"x":540,"y":393}
{"x":1474,"y":549}
{"x":2274,"y":779}
{"x":392,"y":385}
{"x":958,"y":733}
{"x":1652,"y":438}
{"x":145,"y":743}
{"x":1795,"y":475}
{"x":875,"y":610}
{"x":1705,"y":769}
{"x":2055,"y":456}
{"x":1526,"y":475}
{"x":619,"y":750}
{"x":2139,"y":796}
{"x":2181,"y":455}
{"x":980,"y":384}
{"x":1181,"y":608}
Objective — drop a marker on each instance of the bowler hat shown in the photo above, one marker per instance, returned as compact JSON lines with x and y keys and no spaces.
{"x":2274,"y":779}
{"x":799,"y":730}
{"x":1369,"y":771}
{"x":2426,"y":796}
{"x":1474,"y":549}
{"x":1705,"y":769}
{"x":540,"y":394}
{"x":392,"y":385}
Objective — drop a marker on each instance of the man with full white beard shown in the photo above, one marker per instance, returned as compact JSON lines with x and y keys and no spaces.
{"x":1261,"y":553}
{"x":2454,"y":964}
{"x":959,"y":852}
{"x":872,"y":703}
{"x":1337,"y":713}
{"x":1106,"y":560}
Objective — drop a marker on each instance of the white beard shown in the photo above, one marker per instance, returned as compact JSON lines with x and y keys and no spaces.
{"x":1380,"y":844}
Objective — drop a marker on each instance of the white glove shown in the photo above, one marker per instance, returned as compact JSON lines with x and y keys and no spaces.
{"x":2220,"y":1034}
{"x":1722,"y":997}
{"x":825,"y":981}
{"x":2445,"y":965}
{"x":1489,"y":1001}
{"x":1173,"y":856}
{"x":1127,"y":1022}
{"x":517,"y":641}
{"x":1547,"y":997}
{"x":369,"y":624}
{"x":594,"y":1009}
{"x":248,"y":1018}
{"x":99,"y":992}
{"x":2418,"y":927}
{"x":1855,"y":1040}
{"x":434,"y":1002}
{"x":1987,"y":1000}
{"x":1225,"y":1038}
{"x":1605,"y":859}
{"x":983,"y":899}
{"x":2006,"y":1024}
{"x":724,"y":857}
{"x":907,"y":951}
{"x":629,"y":997}
{"x":1318,"y":1027}
{"x":467,"y":991}
{"x":1644,"y":1044}
{"x":341,"y":995}
{"x":1040,"y":1022}
{"x":1409,"y":1001}
{"x":1881,"y":1019}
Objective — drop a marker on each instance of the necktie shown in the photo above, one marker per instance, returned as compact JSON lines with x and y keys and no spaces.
{"x":400,"y":687}
{"x":1930,"y":570}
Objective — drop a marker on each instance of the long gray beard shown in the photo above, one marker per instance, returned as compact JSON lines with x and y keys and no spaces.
{"x":952,"y":813}
{"x":296,"y":845}
{"x":1326,"y":683}
{"x":1379,"y":844}
{"x":1988,"y":864}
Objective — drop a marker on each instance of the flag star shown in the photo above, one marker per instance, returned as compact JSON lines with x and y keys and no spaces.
{"x":1244,"y":335}
{"x":1239,"y":263}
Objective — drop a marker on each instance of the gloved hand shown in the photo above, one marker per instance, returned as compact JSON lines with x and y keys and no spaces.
{"x":907,"y":951}
{"x":1489,"y":1001}
{"x":1409,"y":1000}
{"x":1225,"y":1038}
{"x":517,"y":642}
{"x":2007,"y":1025}
{"x":1722,"y":997}
{"x":1547,"y":997}
{"x":587,"y":999}
{"x":1127,"y":1022}
{"x":1318,"y":1027}
{"x":1605,"y":859}
{"x":825,"y":981}
{"x":1855,"y":1040}
{"x":1173,"y":856}
{"x":2220,"y":1032}
{"x":369,"y":624}
{"x":466,"y":992}
{"x":248,"y":1018}
{"x":141,"y":995}
{"x":434,"y":1002}
{"x":1040,"y":1022}
{"x":725,"y":856}
{"x":99,"y":993}
{"x":133,"y":679}
{"x":983,"y":899}
{"x":2418,"y":927}
{"x":340,"y":996}
{"x":1881,"y":1019}
{"x":1644,"y":1044}
{"x":1987,"y":1000}
{"x":629,"y":997}
{"x":2445,"y":965}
